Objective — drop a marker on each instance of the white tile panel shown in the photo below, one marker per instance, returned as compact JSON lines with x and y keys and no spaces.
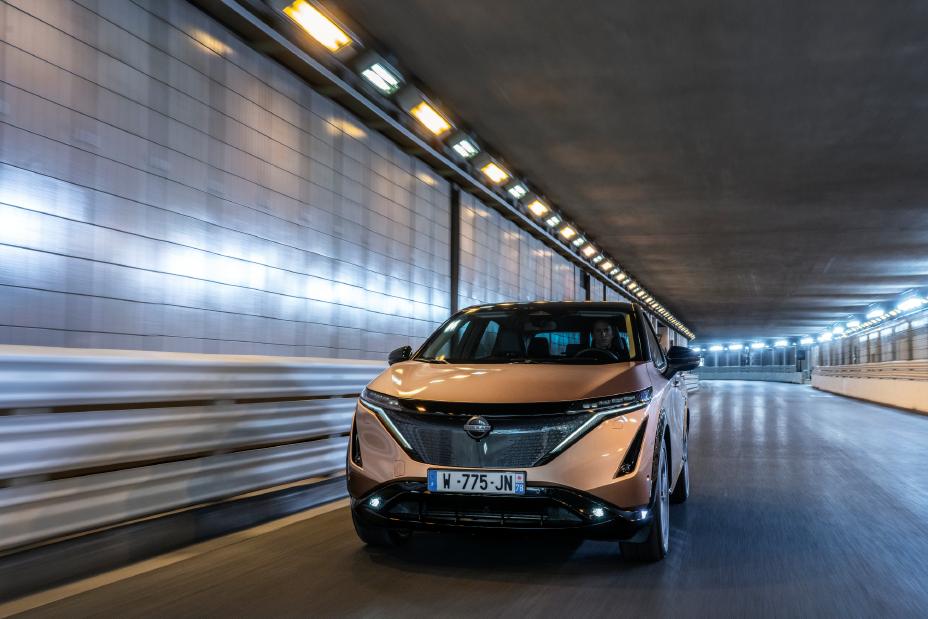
{"x":175,"y":198}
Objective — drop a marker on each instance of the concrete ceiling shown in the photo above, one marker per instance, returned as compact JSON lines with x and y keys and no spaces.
{"x":762,"y":168}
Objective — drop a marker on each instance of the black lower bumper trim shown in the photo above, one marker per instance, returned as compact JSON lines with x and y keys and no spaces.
{"x":409,"y":505}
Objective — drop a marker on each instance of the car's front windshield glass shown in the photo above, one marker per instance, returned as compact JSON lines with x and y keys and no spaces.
{"x":572,"y":335}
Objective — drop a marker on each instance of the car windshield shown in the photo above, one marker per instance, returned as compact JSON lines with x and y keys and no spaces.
{"x":532,"y":335}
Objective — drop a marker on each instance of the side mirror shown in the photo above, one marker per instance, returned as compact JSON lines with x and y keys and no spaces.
{"x":680,"y":359}
{"x":400,"y":354}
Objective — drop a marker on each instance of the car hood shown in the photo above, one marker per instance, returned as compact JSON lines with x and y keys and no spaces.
{"x":510,"y":382}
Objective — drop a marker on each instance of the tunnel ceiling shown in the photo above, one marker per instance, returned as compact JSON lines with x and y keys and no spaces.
{"x":760,"y":167}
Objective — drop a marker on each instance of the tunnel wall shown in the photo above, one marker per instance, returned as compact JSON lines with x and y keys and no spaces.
{"x":165,"y":187}
{"x":903,"y":339}
{"x":501,"y":262}
{"x":773,"y":373}
{"x":887,"y":365}
{"x":903,"y":384}
{"x":749,"y":357}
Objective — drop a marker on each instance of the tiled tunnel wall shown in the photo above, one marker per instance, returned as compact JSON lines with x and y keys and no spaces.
{"x":165,"y":187}
{"x":156,"y":194}
{"x":501,"y":262}
{"x":903,"y":339}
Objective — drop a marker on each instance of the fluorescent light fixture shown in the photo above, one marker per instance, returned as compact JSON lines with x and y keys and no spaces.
{"x":780,"y":344}
{"x":825,"y":337}
{"x":633,"y":286}
{"x":567,"y":232}
{"x":757,"y":345}
{"x":716,"y":348}
{"x":598,"y":259}
{"x":736,"y":347}
{"x":907,"y":305}
{"x":588,"y":250}
{"x":577,"y":242}
{"x":517,"y":190}
{"x":538,"y":208}
{"x":620,"y":276}
{"x":806,"y":341}
{"x":419,"y":107}
{"x":495,"y":173}
{"x":838,"y":330}
{"x":317,"y":25}
{"x":641,"y":293}
{"x":491,"y":168}
{"x":853,"y":324}
{"x":615,"y":271}
{"x":875,"y":313}
{"x":553,"y":220}
{"x":378,"y":76}
{"x":606,"y":265}
{"x":464,"y":145}
{"x":430,"y":118}
{"x":379,"y":73}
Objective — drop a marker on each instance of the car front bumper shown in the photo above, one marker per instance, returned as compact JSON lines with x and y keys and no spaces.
{"x":409,"y":505}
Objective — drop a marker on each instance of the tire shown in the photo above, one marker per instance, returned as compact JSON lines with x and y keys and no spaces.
{"x":382,"y":537}
{"x":657,"y":544}
{"x":681,"y":491}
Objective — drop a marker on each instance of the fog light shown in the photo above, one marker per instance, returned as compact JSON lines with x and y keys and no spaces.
{"x":375,"y":502}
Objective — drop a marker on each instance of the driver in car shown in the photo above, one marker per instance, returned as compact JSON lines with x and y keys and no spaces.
{"x":604,"y":336}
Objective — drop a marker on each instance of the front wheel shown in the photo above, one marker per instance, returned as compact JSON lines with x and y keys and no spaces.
{"x":372,"y":535}
{"x":657,"y":544}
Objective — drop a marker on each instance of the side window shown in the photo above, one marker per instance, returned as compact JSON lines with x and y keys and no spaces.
{"x":657,"y":354}
{"x":487,"y":340}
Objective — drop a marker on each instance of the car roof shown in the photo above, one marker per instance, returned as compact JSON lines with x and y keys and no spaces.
{"x":554,"y":305}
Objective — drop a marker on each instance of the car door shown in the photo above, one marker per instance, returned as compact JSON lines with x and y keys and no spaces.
{"x":673,"y":403}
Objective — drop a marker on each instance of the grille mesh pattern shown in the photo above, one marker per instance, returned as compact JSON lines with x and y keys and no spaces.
{"x":515,"y":441}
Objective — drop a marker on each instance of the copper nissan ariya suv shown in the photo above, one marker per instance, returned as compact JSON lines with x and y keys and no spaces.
{"x":554,"y":416}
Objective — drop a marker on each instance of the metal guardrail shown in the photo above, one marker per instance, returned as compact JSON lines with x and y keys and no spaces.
{"x":91,"y":438}
{"x":747,"y":369}
{"x":895,"y":370}
{"x":772,"y":373}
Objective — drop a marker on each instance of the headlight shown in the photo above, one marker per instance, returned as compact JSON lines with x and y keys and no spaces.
{"x":380,"y":400}
{"x":600,"y":410}
{"x":619,"y":403}
{"x":380,"y":403}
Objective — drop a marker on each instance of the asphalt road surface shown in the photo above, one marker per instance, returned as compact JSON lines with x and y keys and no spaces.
{"x":802,"y":504}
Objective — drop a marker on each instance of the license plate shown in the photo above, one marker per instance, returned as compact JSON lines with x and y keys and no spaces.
{"x":477,"y":482}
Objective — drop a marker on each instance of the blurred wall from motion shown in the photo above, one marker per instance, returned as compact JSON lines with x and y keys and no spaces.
{"x":502,"y":262}
{"x":903,"y":339}
{"x":165,"y":187}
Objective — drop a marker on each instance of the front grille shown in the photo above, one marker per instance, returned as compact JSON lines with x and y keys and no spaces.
{"x":515,"y":440}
